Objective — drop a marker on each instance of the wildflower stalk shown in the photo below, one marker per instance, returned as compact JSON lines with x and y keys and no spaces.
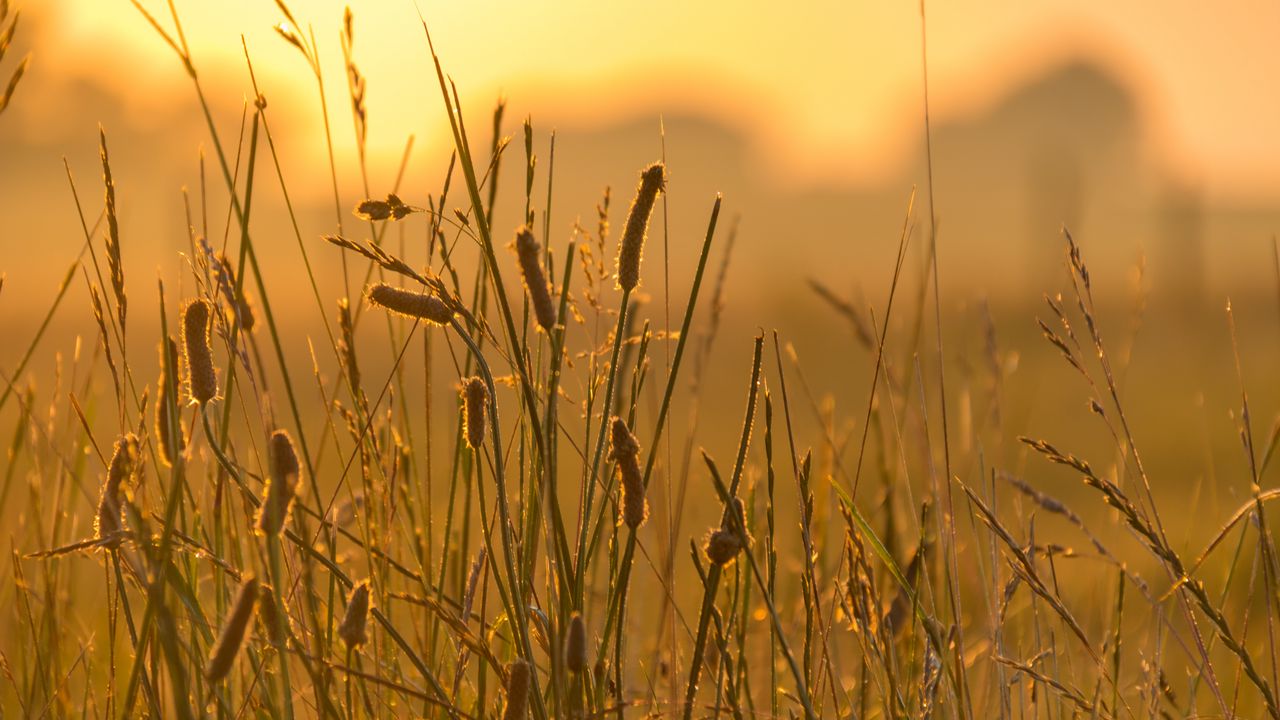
{"x":618,"y":589}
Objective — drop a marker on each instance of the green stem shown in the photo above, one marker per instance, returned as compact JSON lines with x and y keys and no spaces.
{"x":593,"y":477}
{"x":278,"y":581}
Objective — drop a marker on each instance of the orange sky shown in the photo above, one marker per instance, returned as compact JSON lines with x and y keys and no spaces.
{"x":828,"y":92}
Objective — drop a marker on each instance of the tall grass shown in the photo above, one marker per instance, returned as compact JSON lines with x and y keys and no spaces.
{"x":465,"y":504}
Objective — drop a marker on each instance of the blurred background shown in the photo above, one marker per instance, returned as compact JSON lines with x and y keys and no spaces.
{"x":1147,"y":128}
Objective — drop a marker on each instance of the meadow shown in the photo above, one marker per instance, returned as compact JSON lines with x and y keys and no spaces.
{"x":517,"y":470}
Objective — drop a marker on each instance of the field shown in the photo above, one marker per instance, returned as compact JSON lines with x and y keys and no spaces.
{"x":455,"y":459}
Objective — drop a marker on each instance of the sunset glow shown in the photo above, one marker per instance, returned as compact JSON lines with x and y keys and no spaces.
{"x":488,"y":359}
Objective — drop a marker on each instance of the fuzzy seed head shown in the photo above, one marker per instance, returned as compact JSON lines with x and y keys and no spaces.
{"x":392,"y":207}
{"x":124,"y":460}
{"x":635,"y":508}
{"x":232,"y":635}
{"x":535,"y":280}
{"x":269,"y":616}
{"x":399,"y":210}
{"x":282,"y":485}
{"x":373,"y":210}
{"x":517,"y":691}
{"x":722,"y":546}
{"x":475,"y":399}
{"x":201,"y":377}
{"x":631,"y":247}
{"x":625,"y":452}
{"x":621,"y":442}
{"x":575,"y":646}
{"x":284,"y":459}
{"x":354,"y":627}
{"x":107,"y":521}
{"x":167,"y":449}
{"x":410,"y":304}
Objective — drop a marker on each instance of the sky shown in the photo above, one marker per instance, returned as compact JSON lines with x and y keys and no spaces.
{"x":830,"y":93}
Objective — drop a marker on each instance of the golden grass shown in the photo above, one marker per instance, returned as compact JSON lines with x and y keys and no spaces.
{"x":540,"y":540}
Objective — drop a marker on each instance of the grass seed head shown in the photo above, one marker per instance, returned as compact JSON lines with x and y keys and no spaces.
{"x":635,"y":508}
{"x":284,"y":459}
{"x":621,"y":442}
{"x":114,"y":263}
{"x":475,"y":398}
{"x":575,"y":646}
{"x":410,"y":304}
{"x":631,"y":247}
{"x":517,"y":690}
{"x":232,"y":635}
{"x":201,"y":377}
{"x":373,"y":210}
{"x":355,"y":624}
{"x":722,"y":546}
{"x":535,"y":280}
{"x":124,"y":460}
{"x":269,"y":615}
{"x":107,"y":521}
{"x":282,"y":485}
{"x":625,"y":451}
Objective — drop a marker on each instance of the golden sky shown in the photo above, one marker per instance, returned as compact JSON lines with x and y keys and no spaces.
{"x":829,"y":93}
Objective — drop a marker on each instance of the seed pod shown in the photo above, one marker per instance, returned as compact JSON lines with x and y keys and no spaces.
{"x":354,"y":627}
{"x":107,"y":521}
{"x":625,"y":452}
{"x":399,"y":210}
{"x":575,"y":645}
{"x":269,"y":616}
{"x":123,"y":462}
{"x":475,"y":398}
{"x":535,"y":280}
{"x":282,"y":485}
{"x":347,"y":342}
{"x":410,"y":304}
{"x":232,"y":636}
{"x":517,"y":690}
{"x":631,"y":247}
{"x":373,"y":210}
{"x":722,"y":546}
{"x":284,"y":459}
{"x":201,"y":376}
{"x":171,"y":442}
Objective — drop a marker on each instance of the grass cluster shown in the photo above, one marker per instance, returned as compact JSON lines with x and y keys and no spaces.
{"x":273,"y":540}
